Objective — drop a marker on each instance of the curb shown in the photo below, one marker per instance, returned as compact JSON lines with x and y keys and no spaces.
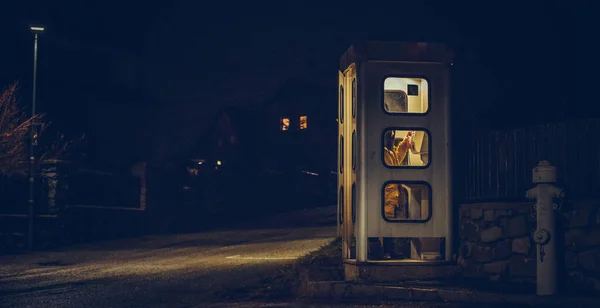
{"x":340,"y":290}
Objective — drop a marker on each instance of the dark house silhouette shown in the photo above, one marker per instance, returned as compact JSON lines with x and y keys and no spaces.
{"x":247,"y":150}
{"x":270,"y":135}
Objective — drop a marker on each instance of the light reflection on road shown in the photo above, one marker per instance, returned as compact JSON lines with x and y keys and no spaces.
{"x":126,"y":273}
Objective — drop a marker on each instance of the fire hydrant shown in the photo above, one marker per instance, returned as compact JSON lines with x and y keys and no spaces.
{"x":544,"y":176}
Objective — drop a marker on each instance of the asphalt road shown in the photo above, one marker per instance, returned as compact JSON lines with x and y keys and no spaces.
{"x":353,"y":305}
{"x":186,"y":270}
{"x":183,"y":270}
{"x":342,"y":305}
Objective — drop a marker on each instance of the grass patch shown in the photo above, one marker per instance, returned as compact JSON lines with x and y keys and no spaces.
{"x":329,"y":255}
{"x":283,"y":283}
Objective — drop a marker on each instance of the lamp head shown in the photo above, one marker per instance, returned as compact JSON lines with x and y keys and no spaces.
{"x":36,"y":29}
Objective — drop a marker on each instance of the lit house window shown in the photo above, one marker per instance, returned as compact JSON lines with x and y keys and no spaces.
{"x":303,"y":123}
{"x":285,"y":123}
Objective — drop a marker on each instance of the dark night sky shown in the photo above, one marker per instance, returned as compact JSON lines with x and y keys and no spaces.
{"x":193,"y":57}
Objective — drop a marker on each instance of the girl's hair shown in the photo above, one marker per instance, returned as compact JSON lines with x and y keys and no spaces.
{"x":389,"y":139}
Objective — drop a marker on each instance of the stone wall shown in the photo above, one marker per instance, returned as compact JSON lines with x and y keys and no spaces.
{"x":496,"y":242}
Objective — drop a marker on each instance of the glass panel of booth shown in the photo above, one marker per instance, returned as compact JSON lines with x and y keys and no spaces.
{"x":341,"y":203}
{"x":354,"y":150}
{"x":405,"y":95}
{"x":341,"y":98}
{"x":406,"y":148}
{"x":354,"y":98}
{"x":406,"y":201}
{"x":353,"y":205}
{"x":342,"y":154}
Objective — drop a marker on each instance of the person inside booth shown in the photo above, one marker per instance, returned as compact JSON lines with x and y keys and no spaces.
{"x":396,"y":155}
{"x":396,"y":196}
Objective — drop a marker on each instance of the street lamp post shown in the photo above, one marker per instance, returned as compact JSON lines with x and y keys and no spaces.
{"x":32,"y":139}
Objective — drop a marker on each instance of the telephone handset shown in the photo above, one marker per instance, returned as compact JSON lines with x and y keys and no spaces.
{"x":417,"y":138}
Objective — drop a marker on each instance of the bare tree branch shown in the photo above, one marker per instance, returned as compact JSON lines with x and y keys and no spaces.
{"x":14,"y":135}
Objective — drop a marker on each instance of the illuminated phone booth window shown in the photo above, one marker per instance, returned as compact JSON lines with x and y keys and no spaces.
{"x":342,"y":154}
{"x":354,"y":150}
{"x":354,"y":98}
{"x":341,"y":103}
{"x":353,"y":202}
{"x":406,"y":201}
{"x":405,"y":95}
{"x":341,"y":204}
{"x":406,"y":148}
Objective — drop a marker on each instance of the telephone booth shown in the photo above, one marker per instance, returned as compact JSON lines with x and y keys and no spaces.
{"x":394,"y":185}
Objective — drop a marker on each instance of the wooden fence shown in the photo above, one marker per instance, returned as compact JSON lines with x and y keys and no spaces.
{"x":500,"y":163}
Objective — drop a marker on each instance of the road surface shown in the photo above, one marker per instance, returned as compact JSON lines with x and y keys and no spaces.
{"x":183,"y":270}
{"x":186,"y":270}
{"x":343,"y":305}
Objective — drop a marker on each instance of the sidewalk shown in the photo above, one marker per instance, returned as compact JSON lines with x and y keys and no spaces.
{"x":313,"y":304}
{"x":438,"y":292}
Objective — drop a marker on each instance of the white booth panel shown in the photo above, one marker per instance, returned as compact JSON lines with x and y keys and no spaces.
{"x":428,"y":112}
